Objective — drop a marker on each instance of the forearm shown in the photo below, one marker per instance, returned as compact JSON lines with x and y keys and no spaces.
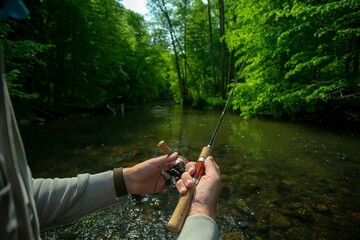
{"x":61,"y":201}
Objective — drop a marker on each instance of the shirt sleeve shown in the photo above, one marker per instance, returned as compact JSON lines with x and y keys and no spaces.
{"x":199,"y":227}
{"x":60,"y":201}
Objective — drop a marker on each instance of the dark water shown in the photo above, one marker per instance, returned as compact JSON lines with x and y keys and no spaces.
{"x":281,"y":180}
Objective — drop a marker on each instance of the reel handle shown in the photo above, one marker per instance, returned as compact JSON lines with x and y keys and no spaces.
{"x":164,"y":147}
{"x":181,"y":211}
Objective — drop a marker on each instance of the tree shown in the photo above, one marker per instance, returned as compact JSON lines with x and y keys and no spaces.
{"x":222,"y":50}
{"x":211,"y":46}
{"x":90,"y":57}
{"x":165,"y":12}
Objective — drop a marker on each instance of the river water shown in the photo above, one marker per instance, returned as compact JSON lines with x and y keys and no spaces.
{"x":281,"y":180}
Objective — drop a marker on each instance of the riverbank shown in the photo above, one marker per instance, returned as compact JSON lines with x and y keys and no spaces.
{"x":36,"y":112}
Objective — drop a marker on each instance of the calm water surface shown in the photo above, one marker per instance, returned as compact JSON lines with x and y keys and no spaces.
{"x":281,"y":180}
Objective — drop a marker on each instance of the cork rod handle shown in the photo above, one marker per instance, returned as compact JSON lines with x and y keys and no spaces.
{"x":181,"y":211}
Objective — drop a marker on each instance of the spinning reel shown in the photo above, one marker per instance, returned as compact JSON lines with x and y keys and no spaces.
{"x":172,"y":175}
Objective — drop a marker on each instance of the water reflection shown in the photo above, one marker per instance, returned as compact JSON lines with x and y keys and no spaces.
{"x":281,"y":180}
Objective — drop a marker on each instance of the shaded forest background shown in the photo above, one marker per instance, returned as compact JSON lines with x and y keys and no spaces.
{"x":302,"y":56}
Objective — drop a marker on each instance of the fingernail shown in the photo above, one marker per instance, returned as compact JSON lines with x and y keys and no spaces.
{"x":188,"y":182}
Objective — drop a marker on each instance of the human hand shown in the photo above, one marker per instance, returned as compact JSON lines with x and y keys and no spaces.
{"x":207,"y":191}
{"x":145,"y":177}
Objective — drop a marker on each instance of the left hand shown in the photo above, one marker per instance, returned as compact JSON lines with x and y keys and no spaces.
{"x":145,"y":177}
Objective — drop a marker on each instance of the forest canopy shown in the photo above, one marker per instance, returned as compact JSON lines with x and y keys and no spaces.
{"x":302,"y":56}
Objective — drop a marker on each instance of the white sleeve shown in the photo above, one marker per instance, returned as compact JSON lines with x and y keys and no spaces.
{"x":199,"y":227}
{"x":61,"y":201}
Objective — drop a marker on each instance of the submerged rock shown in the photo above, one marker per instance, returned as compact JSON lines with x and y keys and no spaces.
{"x":114,"y":236}
{"x":252,"y":188}
{"x":244,"y":207}
{"x":356,"y":215}
{"x":233,"y":236}
{"x":243,"y":225}
{"x":304,"y":215}
{"x":283,"y":188}
{"x":279,"y":221}
{"x":100,"y":236}
{"x":321,"y":207}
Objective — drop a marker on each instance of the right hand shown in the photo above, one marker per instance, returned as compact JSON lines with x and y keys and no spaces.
{"x":207,"y":191}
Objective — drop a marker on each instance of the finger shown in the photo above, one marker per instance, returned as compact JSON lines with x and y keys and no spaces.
{"x":211,"y":168}
{"x":190,"y":168}
{"x":187,"y":180}
{"x":173,"y":156}
{"x":181,"y":187}
{"x":169,"y":160}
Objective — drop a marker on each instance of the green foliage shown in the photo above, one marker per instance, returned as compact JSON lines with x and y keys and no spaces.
{"x":16,"y":89}
{"x":215,"y":101}
{"x":301,"y":54}
{"x":21,"y":60}
{"x":188,"y":22}
{"x":83,"y":52}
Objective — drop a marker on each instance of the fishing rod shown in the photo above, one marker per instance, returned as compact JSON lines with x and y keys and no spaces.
{"x":178,"y":217}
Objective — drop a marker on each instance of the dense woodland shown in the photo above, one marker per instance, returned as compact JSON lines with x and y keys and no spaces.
{"x":302,"y":55}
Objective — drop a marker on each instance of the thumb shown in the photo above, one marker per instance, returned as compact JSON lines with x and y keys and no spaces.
{"x":211,"y":168}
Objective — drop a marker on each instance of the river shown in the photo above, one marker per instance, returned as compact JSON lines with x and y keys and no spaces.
{"x":281,"y":180}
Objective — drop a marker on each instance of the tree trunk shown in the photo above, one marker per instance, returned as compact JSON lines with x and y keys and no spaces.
{"x":231,"y":67}
{"x":182,"y":87}
{"x":222,"y":48}
{"x":211,"y":48}
{"x":356,"y":59}
{"x":193,"y":80}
